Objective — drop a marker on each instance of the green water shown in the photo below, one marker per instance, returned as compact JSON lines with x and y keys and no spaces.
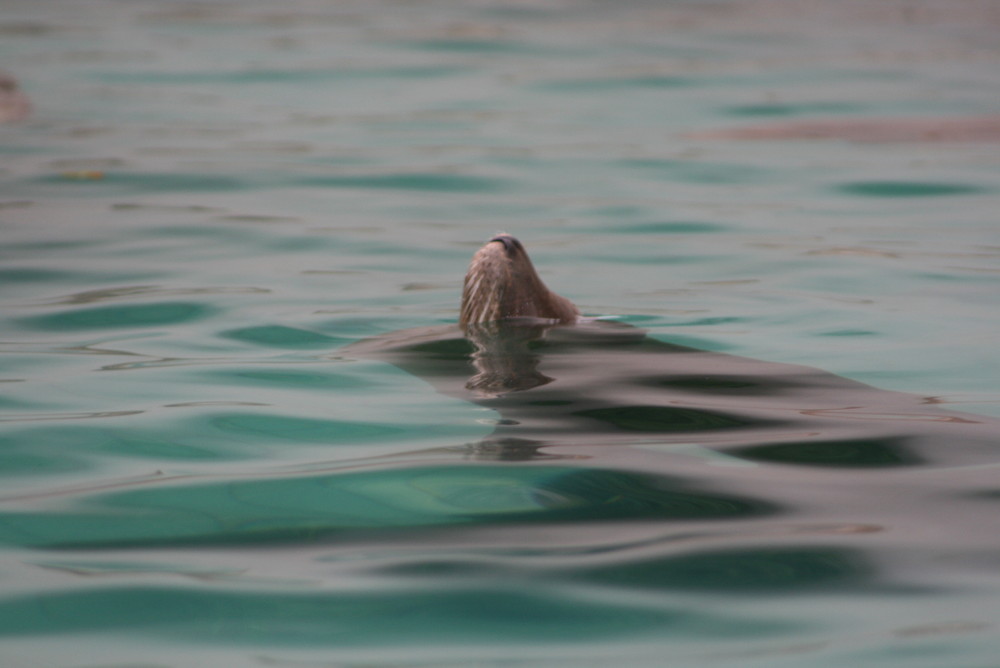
{"x":212,"y":201}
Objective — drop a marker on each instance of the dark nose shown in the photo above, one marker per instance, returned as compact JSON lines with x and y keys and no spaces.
{"x":510,"y":244}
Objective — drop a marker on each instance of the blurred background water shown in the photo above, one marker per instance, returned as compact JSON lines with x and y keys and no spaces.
{"x":210,"y":199}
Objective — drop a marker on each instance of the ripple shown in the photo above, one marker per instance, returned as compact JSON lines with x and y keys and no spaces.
{"x":374,"y":618}
{"x":660,"y":419}
{"x":103,"y":568}
{"x":18,"y":459}
{"x":305,"y":429}
{"x":847,"y":453}
{"x":47,"y":447}
{"x":19,"y":250}
{"x":310,"y":508}
{"x":752,"y":570}
{"x":126,"y":315}
{"x":671,"y":227}
{"x":904,"y":130}
{"x":908,"y":189}
{"x":36,"y":275}
{"x":786,"y":109}
{"x":294,"y":76}
{"x":428,"y":181}
{"x":487,"y":46}
{"x":693,"y":171}
{"x":49,"y":417}
{"x":169,"y":208}
{"x":110,"y":294}
{"x":280,"y":336}
{"x":727,"y":385}
{"x":618,"y":83}
{"x":105,"y":183}
{"x":286,"y":378}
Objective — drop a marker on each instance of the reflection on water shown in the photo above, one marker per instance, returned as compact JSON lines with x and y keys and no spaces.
{"x":605,"y":382}
{"x":503,"y":359}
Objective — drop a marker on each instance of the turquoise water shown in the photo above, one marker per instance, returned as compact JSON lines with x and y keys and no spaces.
{"x":212,"y":202}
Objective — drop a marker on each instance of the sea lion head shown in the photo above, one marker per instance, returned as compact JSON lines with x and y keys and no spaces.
{"x":502,"y":283}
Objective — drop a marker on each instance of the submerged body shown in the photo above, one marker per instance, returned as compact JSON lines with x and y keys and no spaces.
{"x":558,"y":379}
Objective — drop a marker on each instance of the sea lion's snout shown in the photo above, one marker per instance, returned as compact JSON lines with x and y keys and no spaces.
{"x":510,"y":244}
{"x":502,"y":283}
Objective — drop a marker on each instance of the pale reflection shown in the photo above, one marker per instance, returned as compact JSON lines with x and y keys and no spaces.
{"x":503,"y":358}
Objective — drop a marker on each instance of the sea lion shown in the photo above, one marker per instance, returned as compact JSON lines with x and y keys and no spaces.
{"x":501,"y":283}
{"x":559,"y":379}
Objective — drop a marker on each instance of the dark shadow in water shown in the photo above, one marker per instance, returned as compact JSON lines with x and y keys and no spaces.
{"x":604,"y":383}
{"x":661,"y":419}
{"x":750,"y":570}
{"x":776,"y":570}
{"x":853,"y":453}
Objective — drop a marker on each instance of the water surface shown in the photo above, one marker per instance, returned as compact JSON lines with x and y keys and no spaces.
{"x":213,"y":204}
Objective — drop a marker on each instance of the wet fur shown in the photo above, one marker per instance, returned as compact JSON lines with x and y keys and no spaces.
{"x":501,"y":283}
